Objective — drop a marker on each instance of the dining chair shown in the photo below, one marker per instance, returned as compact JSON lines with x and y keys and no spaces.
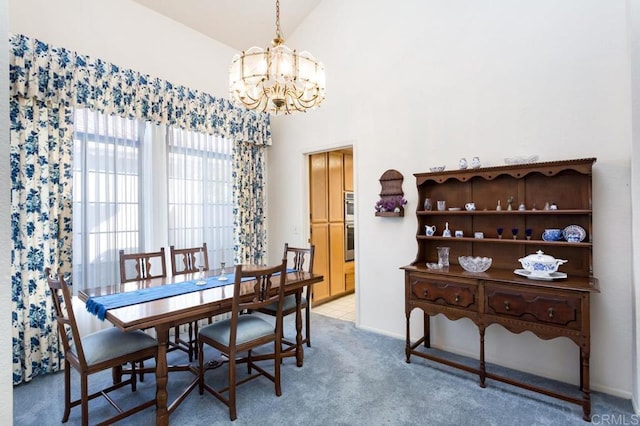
{"x":137,"y":267}
{"x":243,"y":333}
{"x":95,"y":352}
{"x":301,"y":259}
{"x":188,"y":261}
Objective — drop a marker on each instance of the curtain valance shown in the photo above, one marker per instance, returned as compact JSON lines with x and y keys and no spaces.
{"x":60,"y":76}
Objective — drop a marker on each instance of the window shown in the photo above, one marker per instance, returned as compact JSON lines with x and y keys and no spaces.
{"x":200,"y":193}
{"x":139,"y":187}
{"x":106,"y":195}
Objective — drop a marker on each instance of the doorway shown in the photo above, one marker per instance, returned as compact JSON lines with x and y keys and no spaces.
{"x":332,"y":230}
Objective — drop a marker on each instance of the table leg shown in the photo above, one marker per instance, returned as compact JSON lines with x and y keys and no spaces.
{"x":299,"y":348}
{"x":162,"y":415}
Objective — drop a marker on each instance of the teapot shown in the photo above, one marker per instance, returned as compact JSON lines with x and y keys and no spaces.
{"x":430,"y":230}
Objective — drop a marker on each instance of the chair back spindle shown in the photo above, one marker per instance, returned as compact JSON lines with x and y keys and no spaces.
{"x":190,"y":259}
{"x":143,"y":265}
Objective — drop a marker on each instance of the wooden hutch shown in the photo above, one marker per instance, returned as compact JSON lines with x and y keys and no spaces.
{"x":548,"y":309}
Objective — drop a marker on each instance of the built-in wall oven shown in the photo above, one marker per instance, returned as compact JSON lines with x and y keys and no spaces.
{"x":349,"y":241}
{"x":349,"y":202}
{"x":349,"y":227}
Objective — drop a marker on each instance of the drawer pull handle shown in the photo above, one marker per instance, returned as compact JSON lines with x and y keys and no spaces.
{"x":550,"y":312}
{"x":457,"y":299}
{"x":506,"y":305}
{"x":426,"y":293}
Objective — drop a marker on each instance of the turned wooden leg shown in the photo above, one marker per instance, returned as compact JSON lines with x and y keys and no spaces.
{"x":407,"y":346}
{"x":584,"y":384}
{"x":299,"y":346}
{"x":427,"y":331}
{"x":483,"y":371}
{"x":162,"y":415}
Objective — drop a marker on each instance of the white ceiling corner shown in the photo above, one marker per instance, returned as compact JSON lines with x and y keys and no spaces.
{"x":237,"y":23}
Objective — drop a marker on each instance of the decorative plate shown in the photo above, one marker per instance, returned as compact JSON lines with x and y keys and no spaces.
{"x":574,"y":233}
{"x":454,"y":209}
{"x":521,"y":160}
{"x":552,"y":276}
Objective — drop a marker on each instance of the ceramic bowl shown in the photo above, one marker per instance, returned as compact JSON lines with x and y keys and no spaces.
{"x":436,"y":169}
{"x":474,"y":264}
{"x":541,"y":264}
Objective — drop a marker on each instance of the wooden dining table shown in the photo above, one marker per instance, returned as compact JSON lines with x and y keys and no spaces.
{"x":163,"y":314}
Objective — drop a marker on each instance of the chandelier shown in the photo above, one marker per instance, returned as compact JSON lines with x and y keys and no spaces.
{"x":276,"y":79}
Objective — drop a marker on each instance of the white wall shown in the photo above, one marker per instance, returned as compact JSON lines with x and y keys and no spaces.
{"x":129,"y":35}
{"x":6,"y":390}
{"x":422,"y":83}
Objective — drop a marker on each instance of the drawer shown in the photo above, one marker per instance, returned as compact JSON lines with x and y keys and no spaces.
{"x":449,"y":293}
{"x":542,"y":307}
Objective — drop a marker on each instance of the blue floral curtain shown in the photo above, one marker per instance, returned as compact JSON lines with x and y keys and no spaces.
{"x":46,"y":84}
{"x":41,"y":141}
{"x":248,"y":199}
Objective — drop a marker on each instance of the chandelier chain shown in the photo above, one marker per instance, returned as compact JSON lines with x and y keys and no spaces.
{"x":278,"y":32}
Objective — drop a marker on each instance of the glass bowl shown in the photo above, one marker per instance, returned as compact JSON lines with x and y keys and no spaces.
{"x":434,"y":266}
{"x":436,"y":169}
{"x":474,"y":264}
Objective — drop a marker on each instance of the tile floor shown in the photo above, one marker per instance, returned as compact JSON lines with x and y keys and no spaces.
{"x":343,"y":308}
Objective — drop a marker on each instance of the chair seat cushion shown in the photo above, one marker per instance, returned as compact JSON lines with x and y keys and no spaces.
{"x":250,"y":327}
{"x":111,"y":343}
{"x":289,"y":302}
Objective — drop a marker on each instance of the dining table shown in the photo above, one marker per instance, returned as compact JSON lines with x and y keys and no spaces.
{"x":164,"y":313}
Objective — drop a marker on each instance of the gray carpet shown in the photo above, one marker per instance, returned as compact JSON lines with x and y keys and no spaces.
{"x":350,"y":377}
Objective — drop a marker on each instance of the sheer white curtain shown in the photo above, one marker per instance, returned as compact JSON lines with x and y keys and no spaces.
{"x":199,"y":195}
{"x":139,"y":187}
{"x":108,"y":183}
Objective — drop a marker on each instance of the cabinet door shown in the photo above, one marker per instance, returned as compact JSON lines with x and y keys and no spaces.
{"x":336,"y":236}
{"x":349,"y":276}
{"x":319,"y":206}
{"x":348,"y":172}
{"x":320,"y":238}
{"x":336,"y":194}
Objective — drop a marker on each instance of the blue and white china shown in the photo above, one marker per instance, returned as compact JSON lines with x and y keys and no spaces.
{"x":574,"y":233}
{"x":429,"y":230}
{"x":552,"y":234}
{"x":475,"y":162}
{"x":540,"y":264}
{"x":447,"y":231}
{"x":552,"y":276}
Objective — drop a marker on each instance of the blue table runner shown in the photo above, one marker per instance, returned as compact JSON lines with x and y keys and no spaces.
{"x":99,"y":305}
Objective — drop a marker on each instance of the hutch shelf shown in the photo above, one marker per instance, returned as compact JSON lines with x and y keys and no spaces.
{"x":548,"y":309}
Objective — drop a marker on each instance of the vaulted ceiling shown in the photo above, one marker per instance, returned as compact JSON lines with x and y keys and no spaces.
{"x":237,"y":23}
